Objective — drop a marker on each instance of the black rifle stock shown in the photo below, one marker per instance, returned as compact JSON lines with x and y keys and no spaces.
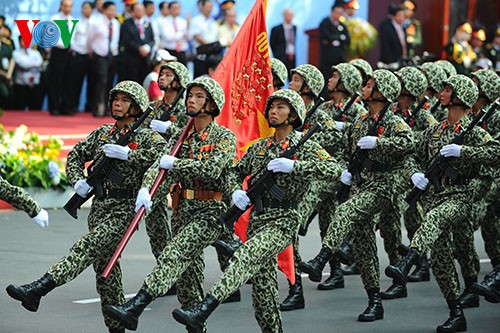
{"x":168,"y":112}
{"x":101,"y":170}
{"x":440,"y":166}
{"x":264,"y":183}
{"x":360,"y":156}
{"x":309,"y":114}
{"x":353,"y":99}
{"x":414,"y":114}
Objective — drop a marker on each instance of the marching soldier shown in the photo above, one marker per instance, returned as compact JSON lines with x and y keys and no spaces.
{"x":200,"y":177}
{"x":271,"y":230}
{"x":280,"y":73}
{"x":20,"y":199}
{"x":374,"y":193}
{"x":442,"y":113}
{"x":106,"y":221}
{"x":435,"y":76}
{"x":450,"y":201}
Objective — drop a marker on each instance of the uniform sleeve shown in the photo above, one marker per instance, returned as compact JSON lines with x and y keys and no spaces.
{"x":484,"y":149}
{"x":398,"y":143}
{"x":18,"y":198}
{"x":315,"y":163}
{"x":148,"y":152}
{"x":81,"y":153}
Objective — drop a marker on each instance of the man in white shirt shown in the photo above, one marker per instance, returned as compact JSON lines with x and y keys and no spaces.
{"x":149,"y":7}
{"x":102,"y":45}
{"x":203,"y":30}
{"x":174,"y":32}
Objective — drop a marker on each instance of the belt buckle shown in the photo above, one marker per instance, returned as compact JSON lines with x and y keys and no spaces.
{"x":189,"y":194}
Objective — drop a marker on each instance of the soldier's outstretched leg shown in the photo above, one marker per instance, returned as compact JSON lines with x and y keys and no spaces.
{"x":315,"y":266}
{"x":395,"y":290}
{"x":195,"y":317}
{"x":128,"y":313}
{"x":421,"y":272}
{"x":399,"y":272}
{"x":490,"y":286}
{"x":30,"y":294}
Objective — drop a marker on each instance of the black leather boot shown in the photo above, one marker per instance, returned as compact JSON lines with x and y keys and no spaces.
{"x":195,"y":317}
{"x":314,"y":267}
{"x":116,"y":330}
{"x":351,"y":270}
{"x":30,"y":294}
{"x":295,"y":298}
{"x":489,"y":287}
{"x":399,"y":272}
{"x":336,"y":278}
{"x":421,"y":272}
{"x":374,"y":311}
{"x":234,"y":297}
{"x":128,"y":313}
{"x":228,"y":248}
{"x":468,"y":299}
{"x":456,"y":322}
{"x":403,"y":249}
{"x":344,"y":253}
{"x":395,"y":291}
{"x":303,"y":228}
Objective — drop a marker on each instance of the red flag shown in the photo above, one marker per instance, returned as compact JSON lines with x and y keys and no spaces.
{"x":246,"y":77}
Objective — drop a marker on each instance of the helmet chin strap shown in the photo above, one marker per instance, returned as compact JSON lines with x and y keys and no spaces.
{"x":287,"y":121}
{"x":202,"y":110}
{"x":171,"y":85}
{"x":127,"y":114}
{"x":376,"y":100}
{"x":452,"y":103}
{"x":337,"y":89}
{"x":302,"y":93}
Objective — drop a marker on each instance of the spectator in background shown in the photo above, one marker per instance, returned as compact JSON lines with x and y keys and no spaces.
{"x":228,"y":28}
{"x":27,"y":72}
{"x":458,"y":50}
{"x":174,"y":32}
{"x":150,"y":83}
{"x":102,"y":45}
{"x":350,"y":9}
{"x":128,"y":11}
{"x":98,"y":7}
{"x":477,"y":41}
{"x":6,"y":67}
{"x":59,"y":61}
{"x":149,"y":7}
{"x":204,"y":31}
{"x":283,"y":40}
{"x":163,"y":7}
{"x":492,"y":50}
{"x":392,"y":37}
{"x":333,"y":40}
{"x":79,"y":63}
{"x":223,"y":7}
{"x":412,"y":27}
{"x":136,"y":44}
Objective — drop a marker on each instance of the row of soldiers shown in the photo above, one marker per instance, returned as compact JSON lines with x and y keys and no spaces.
{"x":355,"y":174}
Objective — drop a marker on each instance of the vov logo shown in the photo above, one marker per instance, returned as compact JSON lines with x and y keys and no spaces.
{"x":46,"y":34}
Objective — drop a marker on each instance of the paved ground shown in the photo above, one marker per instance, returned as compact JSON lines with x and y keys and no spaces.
{"x":27,"y":252}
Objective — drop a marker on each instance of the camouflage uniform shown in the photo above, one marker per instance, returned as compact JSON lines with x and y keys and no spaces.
{"x":109,"y":216}
{"x":442,"y":112}
{"x":156,"y":220}
{"x":18,"y":198}
{"x":271,"y":231}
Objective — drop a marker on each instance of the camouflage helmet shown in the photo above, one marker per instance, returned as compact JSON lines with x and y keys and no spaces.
{"x":214,"y":91}
{"x":312,"y":77}
{"x":448,"y":67}
{"x":351,"y":77}
{"x":435,"y":75}
{"x":489,"y":83}
{"x":134,"y":90}
{"x":413,"y":80}
{"x":387,"y":84}
{"x":363,"y":66}
{"x":279,"y":69}
{"x":464,"y":89}
{"x":180,"y":70}
{"x":295,"y":101}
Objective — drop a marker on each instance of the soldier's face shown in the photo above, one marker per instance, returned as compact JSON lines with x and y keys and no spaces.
{"x":445,"y":95}
{"x":367,"y":89}
{"x":333,"y":81}
{"x":165,"y":78}
{"x":120,"y":105}
{"x":297,"y":82}
{"x":278,"y":111}
{"x":196,"y":98}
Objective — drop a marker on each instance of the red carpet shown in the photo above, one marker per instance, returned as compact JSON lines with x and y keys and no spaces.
{"x":70,"y":129}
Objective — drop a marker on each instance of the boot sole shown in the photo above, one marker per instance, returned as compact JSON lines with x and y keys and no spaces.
{"x":489,"y":296}
{"x":367,"y":320}
{"x":19,"y":296}
{"x":388,"y":297}
{"x":179,"y":316}
{"x":312,"y":276}
{"x":415,"y":279}
{"x":118,"y":315}
{"x":330,"y":287}
{"x":296,"y":307}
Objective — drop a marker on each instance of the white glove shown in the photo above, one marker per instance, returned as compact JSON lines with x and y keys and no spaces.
{"x":281,"y":164}
{"x":340,"y":125}
{"x":82,"y":188}
{"x":241,"y":199}
{"x":160,"y":126}
{"x":367,"y":142}
{"x":41,"y":219}
{"x":419,"y":180}
{"x":299,"y":133}
{"x":451,"y":150}
{"x":116,"y":151}
{"x":143,"y":199}
{"x":346,"y":177}
{"x":167,"y":162}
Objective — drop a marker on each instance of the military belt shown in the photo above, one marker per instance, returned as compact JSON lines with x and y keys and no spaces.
{"x":204,"y":195}
{"x":283,"y":204}
{"x":119,"y":193}
{"x":459,"y":181}
{"x":374,"y":166}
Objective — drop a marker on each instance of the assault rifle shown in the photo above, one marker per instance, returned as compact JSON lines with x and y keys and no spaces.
{"x":140,"y":213}
{"x":309,"y":114}
{"x":103,"y":169}
{"x":413,"y":115}
{"x":440,"y":165}
{"x":359,"y":159}
{"x":435,"y":107}
{"x":168,"y":112}
{"x":353,"y":99}
{"x":263,"y":181}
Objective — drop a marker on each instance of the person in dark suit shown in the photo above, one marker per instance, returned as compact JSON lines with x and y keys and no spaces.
{"x":392,"y":36}
{"x":136,"y":42}
{"x":283,"y":39}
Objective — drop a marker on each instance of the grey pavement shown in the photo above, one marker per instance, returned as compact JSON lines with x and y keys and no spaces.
{"x":26,"y":252}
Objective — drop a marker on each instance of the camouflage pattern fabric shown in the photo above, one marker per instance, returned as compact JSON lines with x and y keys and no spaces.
{"x":413,"y":80}
{"x":447,"y":66}
{"x":134,"y":90}
{"x":363,"y":66}
{"x":279,"y":69}
{"x":18,"y":198}
{"x":213,"y":88}
{"x":350,"y":76}
{"x":109,"y":216}
{"x":180,"y":70}
{"x":464,"y":88}
{"x":273,"y":230}
{"x":337,"y":111}
{"x":329,"y":135}
{"x":418,"y":122}
{"x":387,"y":83}
{"x":489,"y":83}
{"x":435,"y":75}
{"x":295,"y":101}
{"x":312,"y":77}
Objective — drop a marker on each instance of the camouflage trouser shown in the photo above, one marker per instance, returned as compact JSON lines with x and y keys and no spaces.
{"x":435,"y":233}
{"x":490,"y":224}
{"x":357,"y":215}
{"x":268,"y":235}
{"x":390,"y":231}
{"x":156,"y":221}
{"x":413,"y":219}
{"x":107,"y":222}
